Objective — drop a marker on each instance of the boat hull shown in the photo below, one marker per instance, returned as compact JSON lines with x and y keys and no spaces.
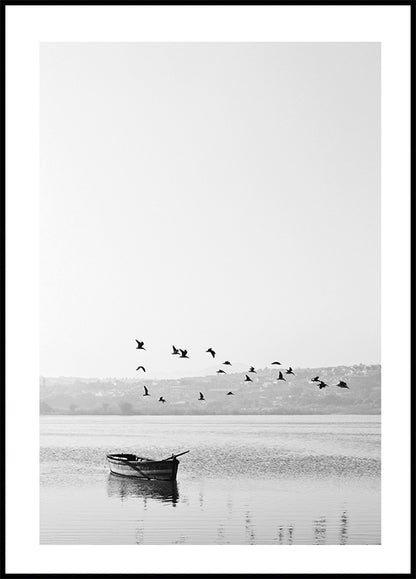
{"x":148,"y":470}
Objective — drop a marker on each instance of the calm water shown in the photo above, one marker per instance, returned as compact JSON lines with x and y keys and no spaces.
{"x":247,"y":480}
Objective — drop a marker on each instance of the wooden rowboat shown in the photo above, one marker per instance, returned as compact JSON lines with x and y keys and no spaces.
{"x":144,"y":468}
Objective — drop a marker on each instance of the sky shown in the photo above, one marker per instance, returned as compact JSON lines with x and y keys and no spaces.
{"x":221,"y":195}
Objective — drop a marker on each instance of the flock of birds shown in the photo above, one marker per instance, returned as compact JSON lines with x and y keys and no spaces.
{"x":184,"y":354}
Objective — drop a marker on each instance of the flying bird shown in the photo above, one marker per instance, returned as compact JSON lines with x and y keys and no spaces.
{"x":140,"y":345}
{"x":161,"y":399}
{"x":230,"y":393}
{"x":316,"y":379}
{"x":201,"y":396}
{"x":342,"y":385}
{"x":221,"y":372}
{"x":252,"y":369}
{"x":227,"y":363}
{"x":175,"y":351}
{"x":281,"y":377}
{"x":184,"y":354}
{"x":276,"y":363}
{"x":146,"y":391}
{"x":211,"y":351}
{"x":322,"y":385}
{"x":248,"y":379}
{"x":141,"y":368}
{"x":290,"y":371}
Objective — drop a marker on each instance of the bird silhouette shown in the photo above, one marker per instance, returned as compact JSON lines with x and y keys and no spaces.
{"x":140,"y":345}
{"x":210,"y":351}
{"x":290,"y":371}
{"x":227,"y":363}
{"x":322,"y":385}
{"x":252,"y":369}
{"x":248,"y":379}
{"x":184,"y":354}
{"x":161,"y":399}
{"x":342,"y":384}
{"x":201,"y":396}
{"x":276,"y":363}
{"x":281,"y":377}
{"x":230,"y":393}
{"x":175,"y":351}
{"x":221,"y":372}
{"x":141,"y":368}
{"x":316,"y":379}
{"x":146,"y":391}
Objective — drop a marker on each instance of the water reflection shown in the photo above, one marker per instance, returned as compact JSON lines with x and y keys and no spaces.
{"x":140,"y":533}
{"x":320,"y":531}
{"x":343,"y":540}
{"x":281,"y":535}
{"x":221,"y":534}
{"x":124,"y":488}
{"x":249,"y":527}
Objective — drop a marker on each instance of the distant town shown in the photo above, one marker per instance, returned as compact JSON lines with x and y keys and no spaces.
{"x":265,"y":395}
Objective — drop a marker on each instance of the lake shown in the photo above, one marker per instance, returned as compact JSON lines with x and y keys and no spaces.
{"x":247,"y":480}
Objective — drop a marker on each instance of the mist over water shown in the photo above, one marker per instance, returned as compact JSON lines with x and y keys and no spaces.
{"x":247,"y":480}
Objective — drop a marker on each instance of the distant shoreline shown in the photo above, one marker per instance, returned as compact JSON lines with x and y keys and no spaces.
{"x":224,"y":414}
{"x":260,"y":394}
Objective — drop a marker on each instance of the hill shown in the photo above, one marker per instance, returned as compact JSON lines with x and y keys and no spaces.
{"x":264,"y":395}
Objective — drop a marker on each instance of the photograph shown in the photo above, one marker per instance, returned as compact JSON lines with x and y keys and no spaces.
{"x":210,"y":293}
{"x":207,"y":291}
